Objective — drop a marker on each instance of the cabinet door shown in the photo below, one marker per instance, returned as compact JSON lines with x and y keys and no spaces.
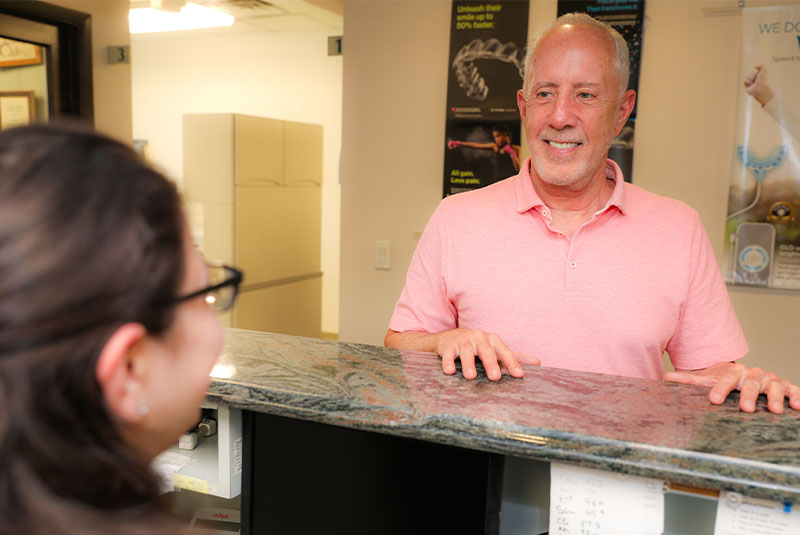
{"x":277,"y":232}
{"x":302,"y":154}
{"x":293,"y":308}
{"x":259,"y":151}
{"x":208,"y":158}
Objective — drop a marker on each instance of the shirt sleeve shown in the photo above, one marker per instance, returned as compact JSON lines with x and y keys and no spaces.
{"x":423,"y":304}
{"x":708,"y":330}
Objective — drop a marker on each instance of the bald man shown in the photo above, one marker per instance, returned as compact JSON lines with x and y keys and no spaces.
{"x":565,"y":264}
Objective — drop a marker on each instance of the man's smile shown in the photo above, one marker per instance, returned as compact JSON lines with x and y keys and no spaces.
{"x":562,"y":144}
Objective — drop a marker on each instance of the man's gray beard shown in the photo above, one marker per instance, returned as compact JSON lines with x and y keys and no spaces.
{"x":572,"y":178}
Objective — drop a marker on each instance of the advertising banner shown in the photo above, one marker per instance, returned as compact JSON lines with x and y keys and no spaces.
{"x":486,"y":65}
{"x":762,"y":231}
{"x":627,"y":17}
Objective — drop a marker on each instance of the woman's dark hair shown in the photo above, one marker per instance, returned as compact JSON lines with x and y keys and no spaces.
{"x":502,"y":128}
{"x":91,"y":238}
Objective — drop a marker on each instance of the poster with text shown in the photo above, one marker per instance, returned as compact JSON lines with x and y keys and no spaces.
{"x":627,"y":17}
{"x":762,"y":232}
{"x":485,"y":70}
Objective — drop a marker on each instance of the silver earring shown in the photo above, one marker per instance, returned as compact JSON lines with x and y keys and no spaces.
{"x":143,"y":409}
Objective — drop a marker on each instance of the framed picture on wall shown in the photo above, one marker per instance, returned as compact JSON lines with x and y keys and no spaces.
{"x":16,"y":108}
{"x":18,"y":53}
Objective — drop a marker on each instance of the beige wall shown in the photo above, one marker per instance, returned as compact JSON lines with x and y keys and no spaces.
{"x":111,"y":83}
{"x":395,"y":80}
{"x":393,"y":125}
{"x":246,"y":70}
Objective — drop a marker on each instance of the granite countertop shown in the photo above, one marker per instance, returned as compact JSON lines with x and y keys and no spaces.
{"x":626,"y":425}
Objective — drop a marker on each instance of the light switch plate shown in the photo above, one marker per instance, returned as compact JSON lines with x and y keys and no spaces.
{"x":383,"y":255}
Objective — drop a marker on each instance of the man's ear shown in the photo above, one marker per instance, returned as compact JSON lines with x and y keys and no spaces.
{"x":625,"y":109}
{"x":116,"y":372}
{"x":522,"y":104}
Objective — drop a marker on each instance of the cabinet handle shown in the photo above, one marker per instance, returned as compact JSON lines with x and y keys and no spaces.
{"x":263,"y":180}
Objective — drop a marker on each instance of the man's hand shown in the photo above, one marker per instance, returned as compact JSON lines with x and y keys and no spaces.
{"x":726,"y":377}
{"x":466,"y":344}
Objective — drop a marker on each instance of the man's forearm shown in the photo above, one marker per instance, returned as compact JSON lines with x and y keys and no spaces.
{"x":412,"y":340}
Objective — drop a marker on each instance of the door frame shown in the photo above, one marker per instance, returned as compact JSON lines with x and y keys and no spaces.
{"x":67,"y":34}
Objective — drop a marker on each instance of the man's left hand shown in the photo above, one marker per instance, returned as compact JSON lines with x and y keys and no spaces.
{"x":725,"y":377}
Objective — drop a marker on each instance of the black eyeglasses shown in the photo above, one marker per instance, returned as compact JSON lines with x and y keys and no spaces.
{"x":221,"y":294}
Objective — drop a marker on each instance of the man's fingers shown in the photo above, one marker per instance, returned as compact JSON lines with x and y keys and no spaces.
{"x":750,"y":382}
{"x":467,"y":345}
{"x":775,"y":395}
{"x":506,"y":356}
{"x":724,"y":386}
{"x":488,"y":356}
{"x":748,"y":393}
{"x":509,"y":360}
{"x":449,"y":360}
{"x":467,"y":356}
{"x":522,"y":358}
{"x":793,"y":393}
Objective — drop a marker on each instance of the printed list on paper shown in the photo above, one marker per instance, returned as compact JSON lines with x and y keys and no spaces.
{"x":593,"y":502}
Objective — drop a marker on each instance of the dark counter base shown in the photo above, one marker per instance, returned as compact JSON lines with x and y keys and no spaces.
{"x":312,"y":478}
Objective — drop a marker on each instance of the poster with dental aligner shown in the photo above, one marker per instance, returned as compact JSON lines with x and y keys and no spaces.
{"x":485,"y":70}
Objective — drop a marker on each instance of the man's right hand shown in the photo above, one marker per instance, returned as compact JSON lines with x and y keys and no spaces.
{"x":465,"y":345}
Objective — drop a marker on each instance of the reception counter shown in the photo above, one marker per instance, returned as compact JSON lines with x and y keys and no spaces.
{"x":618,"y":424}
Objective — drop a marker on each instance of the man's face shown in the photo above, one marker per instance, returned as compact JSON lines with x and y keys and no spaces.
{"x":573,"y":110}
{"x":500,"y":138}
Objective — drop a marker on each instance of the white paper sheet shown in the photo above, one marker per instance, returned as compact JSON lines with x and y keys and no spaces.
{"x":737,"y":515}
{"x":593,"y":502}
{"x":168,"y":464}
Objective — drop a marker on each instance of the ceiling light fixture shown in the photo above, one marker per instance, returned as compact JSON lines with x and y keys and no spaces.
{"x":190,"y":17}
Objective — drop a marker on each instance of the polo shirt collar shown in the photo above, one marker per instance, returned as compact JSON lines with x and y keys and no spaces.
{"x":527,"y":197}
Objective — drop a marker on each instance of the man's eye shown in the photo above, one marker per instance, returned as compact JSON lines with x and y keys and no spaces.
{"x":585,"y":95}
{"x":543,"y":94}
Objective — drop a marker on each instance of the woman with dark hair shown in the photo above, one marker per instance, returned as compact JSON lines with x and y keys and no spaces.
{"x":107,"y":333}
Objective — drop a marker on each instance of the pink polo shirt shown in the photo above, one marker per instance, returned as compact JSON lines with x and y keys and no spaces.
{"x":639,"y":278}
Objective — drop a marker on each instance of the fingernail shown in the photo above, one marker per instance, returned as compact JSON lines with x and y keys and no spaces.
{"x":517,"y":371}
{"x":716,"y":397}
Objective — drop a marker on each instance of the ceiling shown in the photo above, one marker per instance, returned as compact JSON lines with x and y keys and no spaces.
{"x":272,"y":15}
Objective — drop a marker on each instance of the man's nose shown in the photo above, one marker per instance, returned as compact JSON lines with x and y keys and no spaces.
{"x":562,"y":113}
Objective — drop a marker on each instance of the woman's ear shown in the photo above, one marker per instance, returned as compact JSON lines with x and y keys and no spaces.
{"x":117,"y":373}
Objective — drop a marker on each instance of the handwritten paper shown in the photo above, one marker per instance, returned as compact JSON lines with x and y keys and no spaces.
{"x":738,"y":515}
{"x":593,"y":502}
